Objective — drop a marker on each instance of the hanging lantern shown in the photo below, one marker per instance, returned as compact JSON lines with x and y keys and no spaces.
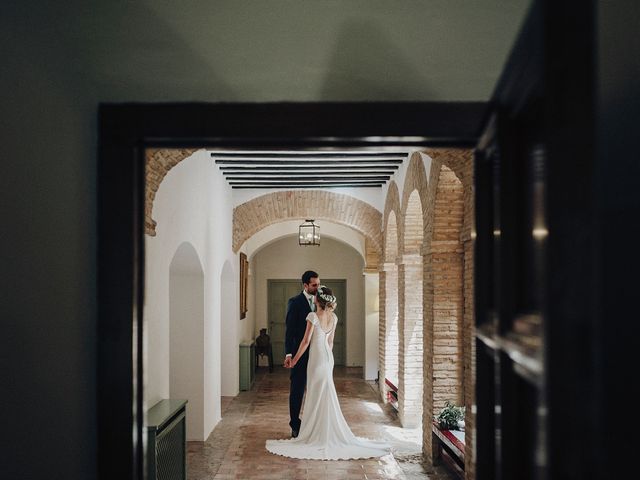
{"x":309,"y":234}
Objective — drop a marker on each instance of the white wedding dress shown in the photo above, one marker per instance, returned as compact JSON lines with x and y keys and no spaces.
{"x":324,"y":433}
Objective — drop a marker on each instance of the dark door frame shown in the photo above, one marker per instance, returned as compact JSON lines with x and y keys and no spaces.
{"x":126,"y":130}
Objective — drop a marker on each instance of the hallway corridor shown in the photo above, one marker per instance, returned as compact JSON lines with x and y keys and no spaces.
{"x":235,"y":449}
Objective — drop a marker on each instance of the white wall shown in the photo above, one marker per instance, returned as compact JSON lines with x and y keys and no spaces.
{"x":193,"y":204}
{"x":231,"y":336}
{"x":332,"y":260}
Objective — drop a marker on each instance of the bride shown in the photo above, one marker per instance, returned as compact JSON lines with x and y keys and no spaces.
{"x":324,"y":433}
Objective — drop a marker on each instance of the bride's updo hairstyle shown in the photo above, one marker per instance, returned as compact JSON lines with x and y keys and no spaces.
{"x":326,"y":299}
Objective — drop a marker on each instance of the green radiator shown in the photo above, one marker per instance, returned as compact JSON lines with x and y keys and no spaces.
{"x":167,"y":434}
{"x":247,"y":365}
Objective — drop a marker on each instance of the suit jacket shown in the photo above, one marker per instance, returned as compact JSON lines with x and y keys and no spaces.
{"x":297,"y":310}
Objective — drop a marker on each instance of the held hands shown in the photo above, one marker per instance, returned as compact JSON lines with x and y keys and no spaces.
{"x":289,"y":362}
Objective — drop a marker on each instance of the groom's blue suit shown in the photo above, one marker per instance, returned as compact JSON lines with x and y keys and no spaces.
{"x":297,"y":310}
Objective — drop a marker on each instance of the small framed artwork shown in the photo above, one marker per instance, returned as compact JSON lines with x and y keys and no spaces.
{"x":244,"y":282}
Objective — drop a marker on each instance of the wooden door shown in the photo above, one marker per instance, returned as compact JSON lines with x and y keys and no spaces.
{"x":278,"y":294}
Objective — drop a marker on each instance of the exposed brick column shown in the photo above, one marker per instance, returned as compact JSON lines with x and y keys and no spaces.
{"x":444,"y":302}
{"x":448,"y":302}
{"x":382,"y":330}
{"x":469,"y":351}
{"x":389,"y":326}
{"x":444,"y":223}
{"x":468,"y":328}
{"x":410,"y":289}
{"x":389,"y":342}
{"x":427,"y":358}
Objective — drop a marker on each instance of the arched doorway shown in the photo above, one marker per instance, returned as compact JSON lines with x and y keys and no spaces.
{"x":186,"y":334}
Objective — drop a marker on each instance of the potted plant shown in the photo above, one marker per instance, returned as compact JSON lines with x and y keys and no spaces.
{"x":449,"y":416}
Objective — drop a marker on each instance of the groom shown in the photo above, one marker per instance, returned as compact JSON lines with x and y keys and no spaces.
{"x":298,"y":308}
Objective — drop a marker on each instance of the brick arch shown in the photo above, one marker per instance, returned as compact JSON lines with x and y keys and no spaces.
{"x":158,"y":162}
{"x":391,"y":238}
{"x":260,"y":212}
{"x":388,"y":292}
{"x":448,"y":291}
{"x":392,"y":204}
{"x":456,"y":159}
{"x":415,"y":181}
{"x":448,"y":301}
{"x":410,"y":294}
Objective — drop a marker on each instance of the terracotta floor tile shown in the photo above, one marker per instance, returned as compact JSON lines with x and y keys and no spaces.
{"x":235,"y":449}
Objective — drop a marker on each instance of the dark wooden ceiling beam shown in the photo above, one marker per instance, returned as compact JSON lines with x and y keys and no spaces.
{"x":313,"y":173}
{"x":345,"y":185}
{"x":315,"y":178}
{"x":307,"y":182}
{"x":396,"y":161}
{"x":310,"y":155}
{"x":344,"y":169}
{"x":287,"y":174}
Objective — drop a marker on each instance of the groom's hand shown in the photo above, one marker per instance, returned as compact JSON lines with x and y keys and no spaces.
{"x":287,"y":361}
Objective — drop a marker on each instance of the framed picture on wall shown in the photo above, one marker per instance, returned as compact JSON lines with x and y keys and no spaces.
{"x":244,"y":282}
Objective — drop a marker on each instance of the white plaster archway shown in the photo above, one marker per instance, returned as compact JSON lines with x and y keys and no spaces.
{"x":186,"y":333}
{"x":288,"y":228}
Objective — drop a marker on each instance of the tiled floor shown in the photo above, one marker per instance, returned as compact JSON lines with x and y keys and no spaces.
{"x":235,"y":449}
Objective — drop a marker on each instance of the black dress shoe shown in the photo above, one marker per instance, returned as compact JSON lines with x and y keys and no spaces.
{"x":294,"y":433}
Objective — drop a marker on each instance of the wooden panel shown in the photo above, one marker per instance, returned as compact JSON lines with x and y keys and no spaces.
{"x":278,"y":293}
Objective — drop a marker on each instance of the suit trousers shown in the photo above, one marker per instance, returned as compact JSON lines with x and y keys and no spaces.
{"x":298,"y":379}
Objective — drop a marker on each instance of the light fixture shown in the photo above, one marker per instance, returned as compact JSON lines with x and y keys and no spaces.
{"x":309,"y":234}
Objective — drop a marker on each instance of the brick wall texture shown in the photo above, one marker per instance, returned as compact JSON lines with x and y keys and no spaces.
{"x":256,"y":214}
{"x":430,"y":273}
{"x":158,"y":162}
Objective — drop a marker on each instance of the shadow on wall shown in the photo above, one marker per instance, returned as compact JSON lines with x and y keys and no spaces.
{"x":366,"y":64}
{"x":158,"y":58}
